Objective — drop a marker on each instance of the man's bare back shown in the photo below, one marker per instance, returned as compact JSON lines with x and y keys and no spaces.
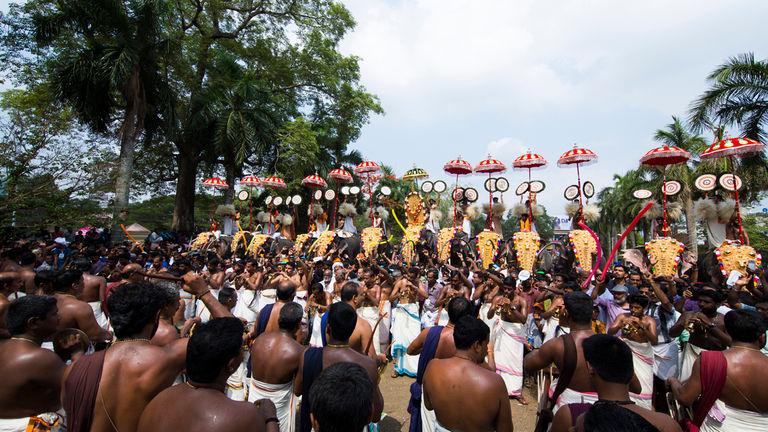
{"x":94,"y":288}
{"x":275,"y":357}
{"x":553,"y":351}
{"x":74,"y":313}
{"x":31,"y":378}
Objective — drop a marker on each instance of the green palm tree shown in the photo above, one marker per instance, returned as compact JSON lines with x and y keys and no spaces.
{"x":105,"y":63}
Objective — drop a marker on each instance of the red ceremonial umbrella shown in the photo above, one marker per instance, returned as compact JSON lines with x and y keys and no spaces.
{"x":729,"y":148}
{"x":490,"y":166}
{"x":529,"y":161}
{"x":578,"y":156}
{"x":313,"y":181}
{"x":370,"y":169}
{"x":662,"y":157}
{"x":250,"y":181}
{"x":457,"y":167}
{"x":215,"y":182}
{"x":274,"y":182}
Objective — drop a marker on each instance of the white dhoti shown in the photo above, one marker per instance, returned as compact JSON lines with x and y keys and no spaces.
{"x":236,"y":384}
{"x":316,"y":339}
{"x":248,"y":303}
{"x":428,"y":318}
{"x":386,"y":324}
{"x":101,"y":319}
{"x":189,"y":304}
{"x":642,"y":360}
{"x":301,"y":299}
{"x":725,"y":418}
{"x":428,"y":417}
{"x":283,"y":398}
{"x":690,"y":353}
{"x":570,"y":396}
{"x":46,"y":421}
{"x":549,"y":329}
{"x":484,"y":308}
{"x":14,"y":425}
{"x":371,"y":314}
{"x":405,"y":329}
{"x":265,"y":297}
{"x":665,"y":359}
{"x":508,"y":349}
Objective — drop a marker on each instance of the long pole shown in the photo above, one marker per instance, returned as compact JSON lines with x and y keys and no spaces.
{"x":581,"y":195}
{"x":490,"y":205}
{"x":530,"y":202}
{"x":453,"y":195}
{"x":742,"y":237}
{"x":665,"y":228}
{"x":250,"y":208}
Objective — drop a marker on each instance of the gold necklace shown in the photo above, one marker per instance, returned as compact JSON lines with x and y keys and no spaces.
{"x":130,"y":340}
{"x":746,"y":348}
{"x":337,"y":346}
{"x":26,"y":339}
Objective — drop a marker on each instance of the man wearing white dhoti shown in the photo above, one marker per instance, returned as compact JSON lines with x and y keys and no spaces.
{"x":509,"y":339}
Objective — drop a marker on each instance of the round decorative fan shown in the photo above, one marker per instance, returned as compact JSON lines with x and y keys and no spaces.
{"x":671,"y":188}
{"x":470,"y":194}
{"x":268,"y":200}
{"x":706,"y":182}
{"x":571,"y":192}
{"x":440,"y":186}
{"x":537,"y":186}
{"x":642,"y":194}
{"x":458,"y":194}
{"x":297,"y":199}
{"x":345,"y":190}
{"x":354,"y":190}
{"x":588,"y":188}
{"x":277,"y":200}
{"x":385,"y":190}
{"x":730,"y":182}
{"x":318,"y":194}
{"x":289,"y":200}
{"x":522,"y":188}
{"x":502,"y":184}
{"x":243,"y":195}
{"x":490,"y":185}
{"x":427,"y":187}
{"x":330,"y":195}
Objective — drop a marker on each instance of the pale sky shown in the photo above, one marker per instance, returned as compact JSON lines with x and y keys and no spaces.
{"x":469,"y":78}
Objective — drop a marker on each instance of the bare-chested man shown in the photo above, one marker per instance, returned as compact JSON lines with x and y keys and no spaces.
{"x":742,"y":403}
{"x":213,"y":353}
{"x":639,"y":332}
{"x":108,"y":390}
{"x":73,"y":312}
{"x":434,"y":342}
{"x":406,"y":322}
{"x":464,"y":395}
{"x":509,"y":345}
{"x":275,"y":360}
{"x":609,"y":361}
{"x":268,"y":317}
{"x":31,"y":375}
{"x":94,"y":290}
{"x":341,"y":323}
{"x":217,"y":274}
{"x":360,"y":340}
{"x":166,"y":330}
{"x":706,"y":328}
{"x":27,"y":272}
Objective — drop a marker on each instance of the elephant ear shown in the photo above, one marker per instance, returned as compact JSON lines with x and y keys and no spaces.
{"x":636,"y":258}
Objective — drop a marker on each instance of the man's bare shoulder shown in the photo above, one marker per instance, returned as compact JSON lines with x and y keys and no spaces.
{"x":663,"y":422}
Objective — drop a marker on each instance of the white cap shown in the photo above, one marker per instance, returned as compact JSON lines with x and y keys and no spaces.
{"x":524,"y":275}
{"x":61,"y":241}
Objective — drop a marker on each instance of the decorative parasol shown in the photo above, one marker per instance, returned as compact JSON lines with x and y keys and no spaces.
{"x":457,"y":167}
{"x":215,"y":182}
{"x":415,"y":174}
{"x":250,"y":181}
{"x":371,"y":170}
{"x":490,"y":166}
{"x":340,"y":175}
{"x":578,"y":156}
{"x":729,"y":148}
{"x":662,"y":157}
{"x":274,"y":182}
{"x":529,"y":161}
{"x":314,"y":181}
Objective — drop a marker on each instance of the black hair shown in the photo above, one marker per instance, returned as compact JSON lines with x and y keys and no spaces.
{"x":81,"y":264}
{"x":612,"y":417}
{"x":23,"y":309}
{"x":27,"y":258}
{"x":709,"y":292}
{"x":132,"y":306}
{"x":212,"y":346}
{"x":609,"y":357}
{"x":579,"y":307}
{"x":342,"y":320}
{"x":226,"y":294}
{"x":469,"y":330}
{"x":213,"y":262}
{"x":745,"y":325}
{"x":290,"y":316}
{"x":459,"y":307}
{"x":286,"y":291}
{"x":622,"y":266}
{"x":65,"y":279}
{"x":639,"y":299}
{"x":341,"y":398}
{"x":509,"y":281}
{"x":349,"y":291}
{"x":44,"y":277}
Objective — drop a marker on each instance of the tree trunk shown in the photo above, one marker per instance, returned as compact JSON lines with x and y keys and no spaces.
{"x":184,"y":208}
{"x":123,"y":181}
{"x":690,"y":223}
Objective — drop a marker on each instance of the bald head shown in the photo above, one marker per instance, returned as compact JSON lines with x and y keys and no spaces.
{"x":286,"y":290}
{"x":129,"y":270}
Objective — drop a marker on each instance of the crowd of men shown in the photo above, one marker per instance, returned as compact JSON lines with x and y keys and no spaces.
{"x":154,"y":337}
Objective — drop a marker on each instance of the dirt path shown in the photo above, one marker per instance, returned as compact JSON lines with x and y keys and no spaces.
{"x":396,"y":394}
